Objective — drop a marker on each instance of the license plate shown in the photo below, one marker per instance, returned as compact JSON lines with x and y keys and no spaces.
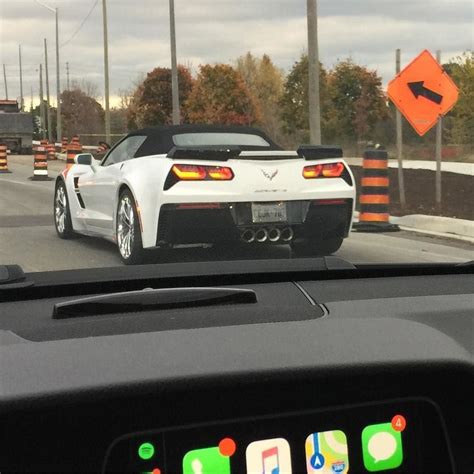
{"x":269,"y":212}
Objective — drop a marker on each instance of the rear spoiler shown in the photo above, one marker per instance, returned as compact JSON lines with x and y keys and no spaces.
{"x":208,"y":152}
{"x":315,"y":152}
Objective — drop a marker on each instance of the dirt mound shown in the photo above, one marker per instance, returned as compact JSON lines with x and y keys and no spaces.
{"x":457,"y":193}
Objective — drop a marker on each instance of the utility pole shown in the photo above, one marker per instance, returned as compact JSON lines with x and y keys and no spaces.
{"x":22,"y":102}
{"x":314,"y":71}
{"x":106,"y":72}
{"x":48,"y":102}
{"x":31,"y":103}
{"x":42,"y":115}
{"x":59,"y":132}
{"x":174,"y":68}
{"x":67,"y":75}
{"x":58,"y":70}
{"x":439,"y":143}
{"x":5,"y":81}
{"x":401,"y":181}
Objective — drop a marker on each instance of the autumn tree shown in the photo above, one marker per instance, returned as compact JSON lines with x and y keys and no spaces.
{"x":220,"y":95}
{"x":460,"y":121}
{"x":81,"y":114}
{"x":151,"y":103}
{"x":265,"y":82}
{"x":294,"y":103}
{"x":90,"y":88}
{"x":357,"y":103}
{"x":352,"y":102}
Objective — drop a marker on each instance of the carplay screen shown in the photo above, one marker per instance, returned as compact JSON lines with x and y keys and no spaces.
{"x":395,"y":436}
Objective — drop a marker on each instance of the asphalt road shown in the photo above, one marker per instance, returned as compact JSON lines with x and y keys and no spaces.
{"x":28,"y":237}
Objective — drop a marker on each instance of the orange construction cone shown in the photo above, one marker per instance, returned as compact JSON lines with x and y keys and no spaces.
{"x":40,"y":164}
{"x":374,"y":199}
{"x":3,"y":159}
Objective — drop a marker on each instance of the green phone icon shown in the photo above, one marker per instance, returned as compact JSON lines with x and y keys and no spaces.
{"x":206,"y":461}
{"x":381,"y":447}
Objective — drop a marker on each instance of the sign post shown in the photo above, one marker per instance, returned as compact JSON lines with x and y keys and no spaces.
{"x":401,"y":182}
{"x":439,"y":140}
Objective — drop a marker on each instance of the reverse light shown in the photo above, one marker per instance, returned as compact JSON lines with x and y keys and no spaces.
{"x":326,"y":170}
{"x":201,"y":173}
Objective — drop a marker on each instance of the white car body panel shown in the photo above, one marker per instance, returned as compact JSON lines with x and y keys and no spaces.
{"x":255,"y":180}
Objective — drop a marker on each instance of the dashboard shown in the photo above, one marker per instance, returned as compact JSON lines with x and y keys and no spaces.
{"x":336,"y":371}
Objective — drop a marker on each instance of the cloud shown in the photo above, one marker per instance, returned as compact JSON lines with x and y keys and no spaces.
{"x":368,"y":31}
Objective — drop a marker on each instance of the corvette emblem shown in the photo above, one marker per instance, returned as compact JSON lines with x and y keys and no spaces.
{"x":270,"y":175}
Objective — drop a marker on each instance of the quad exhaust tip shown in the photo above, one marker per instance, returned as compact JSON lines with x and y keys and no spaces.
{"x":274,"y":234}
{"x":262,"y":234}
{"x":248,"y":236}
{"x":287,"y":234}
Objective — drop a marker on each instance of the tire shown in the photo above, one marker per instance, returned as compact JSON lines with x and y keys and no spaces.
{"x":62,"y":213}
{"x":127,"y":230}
{"x":316,"y":248}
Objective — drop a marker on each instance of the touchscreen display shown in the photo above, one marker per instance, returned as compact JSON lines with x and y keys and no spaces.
{"x":397,"y":436}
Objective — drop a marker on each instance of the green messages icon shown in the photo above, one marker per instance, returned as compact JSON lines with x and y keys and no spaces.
{"x":381,"y":447}
{"x":206,"y":461}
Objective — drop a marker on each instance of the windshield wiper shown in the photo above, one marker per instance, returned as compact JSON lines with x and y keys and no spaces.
{"x":151,"y":299}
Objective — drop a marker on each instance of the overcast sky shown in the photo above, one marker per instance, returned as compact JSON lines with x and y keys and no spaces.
{"x":212,"y":31}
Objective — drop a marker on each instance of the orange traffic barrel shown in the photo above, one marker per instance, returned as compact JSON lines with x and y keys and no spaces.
{"x":103,"y":148}
{"x":76,"y":141}
{"x":64,"y":144}
{"x":73,"y":149}
{"x":3,"y":159}
{"x":40,"y":163}
{"x":51,"y":151}
{"x":44,"y":143}
{"x":374,"y":198}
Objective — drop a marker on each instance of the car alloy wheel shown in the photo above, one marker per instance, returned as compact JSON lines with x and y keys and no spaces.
{"x":60,"y":209}
{"x":126,"y":227}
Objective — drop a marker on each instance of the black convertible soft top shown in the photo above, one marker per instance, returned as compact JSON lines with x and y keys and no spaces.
{"x":160,"y":139}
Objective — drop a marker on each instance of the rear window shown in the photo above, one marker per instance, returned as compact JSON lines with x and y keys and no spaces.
{"x":197,"y":139}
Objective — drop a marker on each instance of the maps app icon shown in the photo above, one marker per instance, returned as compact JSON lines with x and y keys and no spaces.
{"x":326,"y":453}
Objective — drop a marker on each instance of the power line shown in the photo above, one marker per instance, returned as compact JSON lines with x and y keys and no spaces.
{"x":81,"y":25}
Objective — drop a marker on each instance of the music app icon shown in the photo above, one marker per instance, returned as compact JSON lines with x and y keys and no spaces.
{"x":268,"y":456}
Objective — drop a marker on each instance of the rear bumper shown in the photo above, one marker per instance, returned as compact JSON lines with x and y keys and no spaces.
{"x":182,"y":224}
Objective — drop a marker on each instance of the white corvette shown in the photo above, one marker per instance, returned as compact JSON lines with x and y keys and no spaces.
{"x":185,"y":185}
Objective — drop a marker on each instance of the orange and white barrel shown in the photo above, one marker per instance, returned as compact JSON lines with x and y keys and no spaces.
{"x":4,"y":159}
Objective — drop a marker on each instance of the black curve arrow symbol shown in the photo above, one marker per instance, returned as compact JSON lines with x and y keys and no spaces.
{"x":418,"y":89}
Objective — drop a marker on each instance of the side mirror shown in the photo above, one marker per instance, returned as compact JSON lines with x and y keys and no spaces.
{"x":84,"y":159}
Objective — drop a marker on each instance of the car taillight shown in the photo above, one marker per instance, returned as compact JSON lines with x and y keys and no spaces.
{"x":201,"y":173}
{"x":189,"y":172}
{"x":333,"y":170}
{"x":325,"y":170}
{"x":223,"y":174}
{"x":310,"y":172}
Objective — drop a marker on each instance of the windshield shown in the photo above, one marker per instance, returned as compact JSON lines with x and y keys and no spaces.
{"x":305,"y":129}
{"x":187,"y":139}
